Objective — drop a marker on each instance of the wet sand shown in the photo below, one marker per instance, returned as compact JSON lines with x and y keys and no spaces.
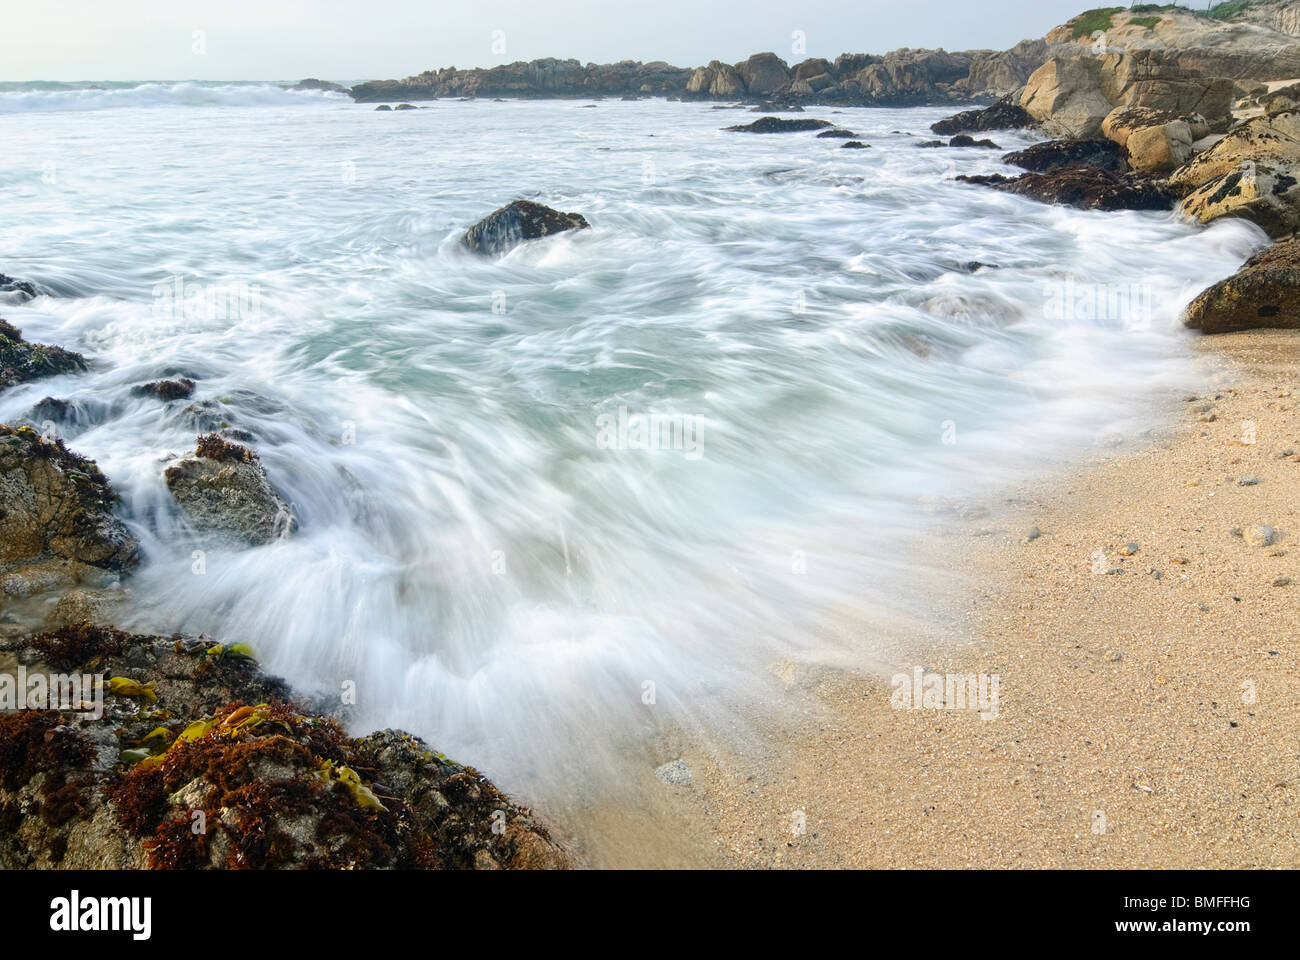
{"x":1148,"y":704}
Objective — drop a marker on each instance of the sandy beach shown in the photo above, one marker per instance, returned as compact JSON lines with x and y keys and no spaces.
{"x":1146,"y":714}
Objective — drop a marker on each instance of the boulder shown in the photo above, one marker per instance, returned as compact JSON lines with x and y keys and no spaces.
{"x":1253,"y":173}
{"x":520,"y":220}
{"x":57,"y":527}
{"x":963,"y":140}
{"x":763,"y":74}
{"x":1160,"y":149}
{"x":21,"y":362}
{"x":166,"y":390}
{"x":854,"y":145}
{"x":1055,"y":154}
{"x":717,"y":80}
{"x":780,"y":125}
{"x":836,"y":135}
{"x":1265,"y":292}
{"x":1064,"y":95}
{"x":189,"y":726}
{"x":222,"y":490}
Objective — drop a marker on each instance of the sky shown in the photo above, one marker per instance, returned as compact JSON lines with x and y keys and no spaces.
{"x":351,"y":40}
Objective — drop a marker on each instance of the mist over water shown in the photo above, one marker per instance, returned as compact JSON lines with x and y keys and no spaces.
{"x":487,"y":571}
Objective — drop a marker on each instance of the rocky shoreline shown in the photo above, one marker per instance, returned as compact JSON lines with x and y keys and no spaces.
{"x":198,"y":759}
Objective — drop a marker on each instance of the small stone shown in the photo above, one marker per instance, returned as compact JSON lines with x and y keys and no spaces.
{"x":1261,"y":535}
{"x":675,"y":773}
{"x":1128,"y":549}
{"x":1248,"y":481}
{"x":1033,"y":534}
{"x":1114,"y":656}
{"x":1282,"y":582}
{"x":1156,"y":574}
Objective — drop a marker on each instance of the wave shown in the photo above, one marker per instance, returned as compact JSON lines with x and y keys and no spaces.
{"x":60,"y":97}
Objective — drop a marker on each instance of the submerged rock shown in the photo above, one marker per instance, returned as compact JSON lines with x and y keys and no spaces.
{"x":21,"y":361}
{"x":25,"y":289}
{"x":56,"y":522}
{"x":781,"y":125}
{"x":1088,"y":188}
{"x":195,"y":734}
{"x":962,"y":140}
{"x":179,"y":389}
{"x":223,"y":491}
{"x":1265,"y":292}
{"x":516,"y":222}
{"x":854,"y":145}
{"x":837,"y":135}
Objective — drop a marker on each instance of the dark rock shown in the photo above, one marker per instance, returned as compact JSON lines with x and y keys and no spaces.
{"x":837,"y":134}
{"x":961,"y":140}
{"x":931,"y":144}
{"x":1054,"y":154}
{"x":781,"y":125}
{"x":193,"y":726}
{"x":383,"y":106}
{"x":406,"y":106}
{"x":1265,"y":292}
{"x":25,"y":288}
{"x":1088,"y":188}
{"x":854,"y":145}
{"x":21,"y":361}
{"x":1006,"y":114}
{"x":311,"y":83}
{"x":224,"y":493}
{"x":56,"y":518}
{"x":516,"y":222}
{"x":180,"y":389}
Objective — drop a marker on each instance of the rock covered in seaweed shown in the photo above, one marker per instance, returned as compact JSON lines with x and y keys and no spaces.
{"x":781,"y":125}
{"x":1003,"y":115}
{"x":1265,"y":292}
{"x":201,"y":761}
{"x":224,"y":492}
{"x":21,"y":361}
{"x":1087,"y":188}
{"x":520,"y":220}
{"x":56,"y":522}
{"x":1052,"y":155}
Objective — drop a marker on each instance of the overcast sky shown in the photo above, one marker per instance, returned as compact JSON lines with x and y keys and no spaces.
{"x":350,"y":40}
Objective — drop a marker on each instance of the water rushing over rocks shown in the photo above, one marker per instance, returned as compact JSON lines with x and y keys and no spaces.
{"x":822,"y":349}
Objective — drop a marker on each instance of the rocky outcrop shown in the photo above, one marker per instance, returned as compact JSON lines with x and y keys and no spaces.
{"x":764,"y":74}
{"x":718,"y":81}
{"x":21,"y":361}
{"x":167,"y":390}
{"x":520,"y":220}
{"x":1265,"y":292}
{"x":780,"y":125}
{"x":311,"y":83}
{"x":1003,"y":115}
{"x":57,"y":528}
{"x":1072,"y":96}
{"x":1054,"y":154}
{"x":1253,"y":173}
{"x":547,"y":77}
{"x":1254,"y":40}
{"x":223,"y":492}
{"x":201,"y":761}
{"x":1088,"y":188}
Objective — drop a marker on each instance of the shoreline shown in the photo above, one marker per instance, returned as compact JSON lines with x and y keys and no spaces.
{"x":1124,"y":732}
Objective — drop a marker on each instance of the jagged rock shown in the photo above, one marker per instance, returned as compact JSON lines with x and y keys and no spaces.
{"x":223,"y":491}
{"x":516,"y":222}
{"x":198,"y":734}
{"x":1265,"y":292}
{"x":781,"y":125}
{"x":1253,"y":173}
{"x":1055,"y":154}
{"x":56,"y":521}
{"x":1088,"y":188}
{"x":1064,"y":96}
{"x":1003,"y":115}
{"x":21,"y":361}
